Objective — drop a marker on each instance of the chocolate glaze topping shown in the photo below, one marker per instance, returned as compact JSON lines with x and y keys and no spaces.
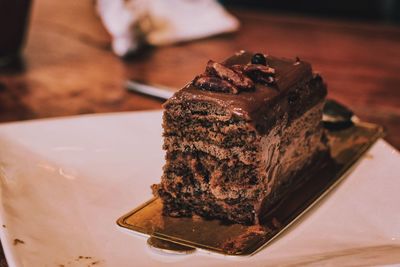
{"x":265,"y":104}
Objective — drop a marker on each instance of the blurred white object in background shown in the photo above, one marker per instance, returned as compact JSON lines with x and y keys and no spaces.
{"x":160,"y":22}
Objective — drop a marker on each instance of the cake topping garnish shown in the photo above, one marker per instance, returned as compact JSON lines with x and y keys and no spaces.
{"x":210,"y":83}
{"x":260,"y":73}
{"x":234,"y":79}
{"x":259,"y":58}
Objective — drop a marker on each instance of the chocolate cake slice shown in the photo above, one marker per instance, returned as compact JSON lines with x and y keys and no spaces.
{"x":237,"y":136}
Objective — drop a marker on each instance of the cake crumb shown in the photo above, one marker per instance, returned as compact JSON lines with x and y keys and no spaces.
{"x":234,"y":245}
{"x":369,"y":156}
{"x":196,"y":218}
{"x":18,"y":241}
{"x":276,"y":223}
{"x":83,"y":257}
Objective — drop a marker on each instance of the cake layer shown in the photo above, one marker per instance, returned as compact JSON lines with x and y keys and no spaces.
{"x":214,"y":132}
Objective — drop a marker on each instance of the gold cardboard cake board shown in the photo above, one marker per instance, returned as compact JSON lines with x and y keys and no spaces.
{"x":181,"y":234}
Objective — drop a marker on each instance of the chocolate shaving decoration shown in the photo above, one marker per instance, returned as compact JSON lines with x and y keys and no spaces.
{"x":225,"y":73}
{"x":238,"y":68}
{"x":260,"y":73}
{"x":234,"y":79}
{"x":210,"y":83}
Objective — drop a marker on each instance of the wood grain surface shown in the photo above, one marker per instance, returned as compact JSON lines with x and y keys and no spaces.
{"x":69,"y":69}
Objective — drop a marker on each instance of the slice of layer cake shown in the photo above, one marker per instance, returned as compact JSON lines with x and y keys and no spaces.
{"x":237,"y":135}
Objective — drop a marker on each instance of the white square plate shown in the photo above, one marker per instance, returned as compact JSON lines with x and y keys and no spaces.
{"x":64,"y":182}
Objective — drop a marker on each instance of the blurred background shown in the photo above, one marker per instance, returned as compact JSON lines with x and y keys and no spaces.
{"x":370,"y":10}
{"x":77,"y":55}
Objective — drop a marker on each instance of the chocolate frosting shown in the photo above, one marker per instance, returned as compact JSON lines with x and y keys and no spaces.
{"x":263,"y":103}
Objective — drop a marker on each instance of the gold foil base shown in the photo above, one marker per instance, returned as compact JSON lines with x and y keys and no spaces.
{"x":184,"y":234}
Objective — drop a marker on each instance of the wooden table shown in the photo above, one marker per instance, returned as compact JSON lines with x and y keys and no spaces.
{"x":69,"y":69}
